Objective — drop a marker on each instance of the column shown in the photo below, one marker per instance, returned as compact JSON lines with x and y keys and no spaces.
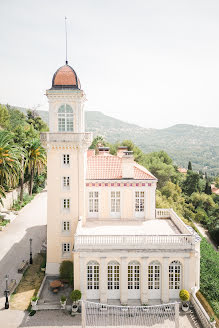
{"x":83,"y":278}
{"x":186,"y":275}
{"x":165,"y":280}
{"x":124,"y":281}
{"x":103,"y":280}
{"x":144,"y":280}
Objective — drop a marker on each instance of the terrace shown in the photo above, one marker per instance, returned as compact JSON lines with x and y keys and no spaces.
{"x":167,"y":230}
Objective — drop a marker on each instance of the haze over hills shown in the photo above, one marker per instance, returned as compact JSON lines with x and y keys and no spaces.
{"x":183,"y":142}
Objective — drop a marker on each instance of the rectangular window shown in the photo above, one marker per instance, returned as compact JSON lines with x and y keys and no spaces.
{"x":115,"y":201}
{"x":66,"y":247}
{"x":139,"y":201}
{"x":66,"y":159}
{"x":66,"y":204}
{"x":66,"y":226}
{"x":93,"y":202}
{"x":66,"y":182}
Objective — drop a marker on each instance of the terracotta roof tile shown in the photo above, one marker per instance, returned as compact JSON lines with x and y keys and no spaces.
{"x":106,"y":166}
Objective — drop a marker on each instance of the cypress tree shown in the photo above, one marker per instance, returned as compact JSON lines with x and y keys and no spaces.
{"x":190,"y":166}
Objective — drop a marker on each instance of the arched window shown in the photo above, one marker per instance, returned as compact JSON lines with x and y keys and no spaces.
{"x":134,"y":275}
{"x":93,"y":275}
{"x":175,"y":272}
{"x":113,"y":275}
{"x":154,"y":275}
{"x":65,"y":118}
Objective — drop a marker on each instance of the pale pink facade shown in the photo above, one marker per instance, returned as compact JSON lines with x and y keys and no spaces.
{"x":102,"y":215}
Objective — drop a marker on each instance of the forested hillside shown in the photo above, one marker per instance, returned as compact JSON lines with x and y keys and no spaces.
{"x":182,"y":142}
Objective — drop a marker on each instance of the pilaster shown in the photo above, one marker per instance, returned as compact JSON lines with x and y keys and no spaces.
{"x":144,"y":280}
{"x":103,"y":280}
{"x":124,"y":281}
{"x":165,"y":280}
{"x":83,"y":278}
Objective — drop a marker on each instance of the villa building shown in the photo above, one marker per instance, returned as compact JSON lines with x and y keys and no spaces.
{"x":102,"y":214}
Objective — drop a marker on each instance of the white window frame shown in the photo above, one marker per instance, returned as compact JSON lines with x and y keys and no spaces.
{"x":139,"y":203}
{"x":115,"y":203}
{"x":66,"y":226}
{"x":66,"y":204}
{"x":66,"y":249}
{"x":93,"y":203}
{"x":65,"y":116}
{"x":113,"y":276}
{"x":134,"y":275}
{"x":66,"y":183}
{"x":65,"y":160}
{"x":154,"y":275}
{"x":175,"y":276}
{"x":93,"y":275}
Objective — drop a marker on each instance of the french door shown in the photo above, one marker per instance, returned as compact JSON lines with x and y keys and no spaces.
{"x":93,"y":278}
{"x":134,"y":280}
{"x":175,"y":277}
{"x":154,"y":280}
{"x":113,"y":280}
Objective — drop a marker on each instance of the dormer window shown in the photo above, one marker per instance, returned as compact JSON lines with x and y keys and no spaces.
{"x":65,"y":119}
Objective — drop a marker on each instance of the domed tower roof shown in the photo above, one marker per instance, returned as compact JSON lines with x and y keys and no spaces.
{"x":65,"y":78}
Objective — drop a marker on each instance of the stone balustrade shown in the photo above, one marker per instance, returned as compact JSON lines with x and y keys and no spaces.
{"x":59,"y":137}
{"x":180,"y":241}
{"x":169,"y":213}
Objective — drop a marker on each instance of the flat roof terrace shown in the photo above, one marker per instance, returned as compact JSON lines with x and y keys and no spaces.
{"x":166,"y":231}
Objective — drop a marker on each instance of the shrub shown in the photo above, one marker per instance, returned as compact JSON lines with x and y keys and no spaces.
{"x":184,"y":295}
{"x":34,"y":298}
{"x":75,"y":295}
{"x":63,"y":298}
{"x":66,"y":271}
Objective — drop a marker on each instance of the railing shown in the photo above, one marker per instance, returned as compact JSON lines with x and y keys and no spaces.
{"x":134,"y":241}
{"x":169,"y":213}
{"x":200,"y":311}
{"x":85,"y":137}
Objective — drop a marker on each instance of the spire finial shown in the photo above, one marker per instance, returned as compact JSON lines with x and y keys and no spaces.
{"x":66,"y":53}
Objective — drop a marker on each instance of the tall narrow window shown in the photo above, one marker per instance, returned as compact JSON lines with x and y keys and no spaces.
{"x":139,"y":201}
{"x":115,"y":202}
{"x":66,"y":226}
{"x":66,"y":203}
{"x":66,"y":248}
{"x":66,"y":159}
{"x":175,"y":275}
{"x":113,"y":275}
{"x":93,"y":275}
{"x":154,"y":275}
{"x":66,"y":182}
{"x":133,"y":275}
{"x":65,"y":118}
{"x":93,"y":202}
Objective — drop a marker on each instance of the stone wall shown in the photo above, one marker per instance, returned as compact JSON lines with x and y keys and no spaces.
{"x":12,"y":196}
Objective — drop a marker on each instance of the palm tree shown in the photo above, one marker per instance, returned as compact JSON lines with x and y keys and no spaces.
{"x":2,"y":194}
{"x":9,"y":160}
{"x":35,"y":161}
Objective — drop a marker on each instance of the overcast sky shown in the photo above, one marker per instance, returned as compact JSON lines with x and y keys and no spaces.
{"x":154,"y":63}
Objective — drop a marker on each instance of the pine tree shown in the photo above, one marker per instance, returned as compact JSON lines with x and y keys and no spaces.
{"x":190,"y":166}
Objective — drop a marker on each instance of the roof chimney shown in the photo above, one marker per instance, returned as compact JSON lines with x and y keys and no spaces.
{"x":127,"y":165}
{"x":103,"y":150}
{"x":121,"y":149}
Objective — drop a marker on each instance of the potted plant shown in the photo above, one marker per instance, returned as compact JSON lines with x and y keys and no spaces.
{"x":212,"y":321}
{"x":34,"y":300}
{"x":75,"y":297}
{"x":184,"y":296}
{"x":63,"y":301}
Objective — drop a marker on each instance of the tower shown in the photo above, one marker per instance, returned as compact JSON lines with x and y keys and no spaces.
{"x":66,"y":144}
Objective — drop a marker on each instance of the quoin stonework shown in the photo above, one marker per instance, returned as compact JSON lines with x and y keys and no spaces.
{"x":102,"y":214}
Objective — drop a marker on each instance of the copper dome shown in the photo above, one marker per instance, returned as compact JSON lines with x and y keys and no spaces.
{"x":65,"y":77}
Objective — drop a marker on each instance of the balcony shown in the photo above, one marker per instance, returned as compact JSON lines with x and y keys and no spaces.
{"x":60,"y":137}
{"x":167,"y":232}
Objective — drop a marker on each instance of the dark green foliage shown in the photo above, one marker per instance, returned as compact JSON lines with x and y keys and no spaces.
{"x":190,"y":166}
{"x":75,"y":295}
{"x":191,"y":183}
{"x":66,"y":271}
{"x":209,"y":278}
{"x":208,"y":188}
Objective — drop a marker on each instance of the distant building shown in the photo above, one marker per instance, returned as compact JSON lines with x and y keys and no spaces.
{"x":182,"y":170}
{"x":102,"y":214}
{"x":214,"y":189}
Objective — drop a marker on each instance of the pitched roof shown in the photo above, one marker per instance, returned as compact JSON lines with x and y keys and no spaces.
{"x":106,"y":166}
